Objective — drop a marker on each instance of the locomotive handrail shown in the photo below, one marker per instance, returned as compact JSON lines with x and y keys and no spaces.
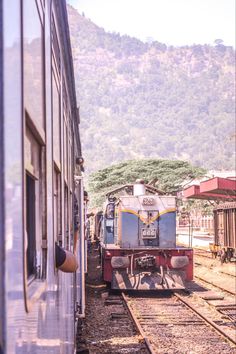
{"x":148,"y":187}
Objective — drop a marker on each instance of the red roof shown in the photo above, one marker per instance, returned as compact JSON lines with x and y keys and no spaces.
{"x":219,"y":185}
{"x":194,"y":192}
{"x":214,"y":188}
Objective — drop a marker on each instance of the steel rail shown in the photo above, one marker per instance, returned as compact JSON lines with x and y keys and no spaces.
{"x":206,"y":266}
{"x":211,"y":323}
{"x":201,"y":250}
{"x":203,"y":256}
{"x":138,"y":326}
{"x":230,"y":274}
{"x":215,"y":285}
{"x":196,"y":254}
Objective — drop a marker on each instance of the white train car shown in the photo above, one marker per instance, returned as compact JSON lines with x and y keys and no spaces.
{"x":39,"y":178}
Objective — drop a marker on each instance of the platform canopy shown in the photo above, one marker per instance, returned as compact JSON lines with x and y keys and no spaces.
{"x":214,"y":189}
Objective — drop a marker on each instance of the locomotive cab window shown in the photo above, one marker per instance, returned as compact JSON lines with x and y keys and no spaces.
{"x":110,"y":211}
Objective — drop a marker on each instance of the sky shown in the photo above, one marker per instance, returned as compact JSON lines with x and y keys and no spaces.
{"x":173,"y":22}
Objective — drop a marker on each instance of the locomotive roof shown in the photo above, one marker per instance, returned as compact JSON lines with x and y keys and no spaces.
{"x":128,"y":187}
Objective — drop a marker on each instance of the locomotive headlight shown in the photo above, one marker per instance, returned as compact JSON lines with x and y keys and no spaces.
{"x":120,"y":262}
{"x":108,"y":254}
{"x":179,"y":261}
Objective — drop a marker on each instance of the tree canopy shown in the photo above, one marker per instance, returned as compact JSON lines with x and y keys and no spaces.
{"x":166,"y":175}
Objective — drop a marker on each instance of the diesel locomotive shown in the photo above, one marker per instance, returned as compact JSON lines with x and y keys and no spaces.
{"x":138,"y":241}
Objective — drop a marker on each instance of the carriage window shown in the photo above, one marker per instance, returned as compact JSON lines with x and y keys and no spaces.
{"x":66,"y":218}
{"x":55,"y":47}
{"x":65,"y":151}
{"x":57,"y":205}
{"x":56,"y":120}
{"x":33,"y":63}
{"x":69,"y":161}
{"x":71,"y":212}
{"x":30,"y":226}
{"x":35,"y":199}
{"x":34,"y":142}
{"x":65,"y":98}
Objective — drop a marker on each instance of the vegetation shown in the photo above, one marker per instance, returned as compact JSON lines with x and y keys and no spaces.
{"x":146,"y":100}
{"x":166,"y":175}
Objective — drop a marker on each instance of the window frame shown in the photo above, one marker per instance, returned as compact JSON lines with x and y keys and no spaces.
{"x":57,"y":212}
{"x":31,"y":120}
{"x":35,"y":284}
{"x":56,"y":79}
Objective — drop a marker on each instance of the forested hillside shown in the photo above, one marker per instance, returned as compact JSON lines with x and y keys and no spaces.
{"x":141,"y":100}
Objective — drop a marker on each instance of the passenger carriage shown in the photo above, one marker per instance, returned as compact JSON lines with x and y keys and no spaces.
{"x":39,"y":178}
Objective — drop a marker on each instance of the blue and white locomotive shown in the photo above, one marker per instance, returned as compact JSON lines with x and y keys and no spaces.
{"x":138,"y":241}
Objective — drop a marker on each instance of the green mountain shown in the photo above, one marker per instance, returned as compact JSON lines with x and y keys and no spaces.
{"x":146,"y":100}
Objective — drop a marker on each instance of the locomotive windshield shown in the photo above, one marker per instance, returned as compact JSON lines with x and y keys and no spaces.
{"x":110,"y":211}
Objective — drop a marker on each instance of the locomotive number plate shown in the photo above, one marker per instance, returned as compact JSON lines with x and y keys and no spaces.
{"x":148,"y":201}
{"x":149,"y":233}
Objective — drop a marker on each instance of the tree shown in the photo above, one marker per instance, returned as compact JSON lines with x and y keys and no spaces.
{"x":166,"y":175}
{"x":218,"y":41}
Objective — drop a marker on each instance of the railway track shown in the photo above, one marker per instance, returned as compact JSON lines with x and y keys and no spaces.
{"x":211,"y":273}
{"x":206,"y":254}
{"x":211,"y":265}
{"x":171,"y":324}
{"x":202,"y":252}
{"x":217,"y":286}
